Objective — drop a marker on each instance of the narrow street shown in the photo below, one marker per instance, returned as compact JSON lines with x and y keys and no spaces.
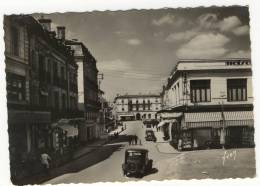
{"x":104,"y":164}
{"x":110,"y":169}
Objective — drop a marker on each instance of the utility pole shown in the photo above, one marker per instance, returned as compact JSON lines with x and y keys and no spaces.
{"x":223,"y":132}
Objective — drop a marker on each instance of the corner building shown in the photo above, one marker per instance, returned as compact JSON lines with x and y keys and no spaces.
{"x":210,"y":103}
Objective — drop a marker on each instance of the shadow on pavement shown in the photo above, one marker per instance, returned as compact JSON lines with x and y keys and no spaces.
{"x":153,"y":171}
{"x":85,"y":161}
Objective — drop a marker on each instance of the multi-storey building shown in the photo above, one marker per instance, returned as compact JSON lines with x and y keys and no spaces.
{"x":88,"y":101}
{"x":136,"y":107}
{"x":210,"y":102}
{"x":41,"y":80}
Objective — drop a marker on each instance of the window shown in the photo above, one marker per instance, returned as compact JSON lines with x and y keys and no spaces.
{"x":130,"y":105}
{"x":15,"y":87}
{"x":122,"y":101}
{"x":237,"y":89}
{"x":15,"y":41}
{"x":200,"y":91}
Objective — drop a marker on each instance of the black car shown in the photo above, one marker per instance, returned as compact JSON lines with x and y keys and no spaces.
{"x":149,"y":136}
{"x":136,"y":162}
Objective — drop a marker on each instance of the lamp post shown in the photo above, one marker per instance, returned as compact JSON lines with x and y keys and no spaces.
{"x":223,"y":132}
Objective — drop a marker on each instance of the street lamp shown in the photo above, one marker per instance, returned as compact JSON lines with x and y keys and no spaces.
{"x":223,"y":132}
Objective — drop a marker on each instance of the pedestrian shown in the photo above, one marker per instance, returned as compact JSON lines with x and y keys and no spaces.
{"x":180,"y":144}
{"x":195,"y":144}
{"x":45,"y":158}
{"x":135,"y":138}
{"x":129,"y":140}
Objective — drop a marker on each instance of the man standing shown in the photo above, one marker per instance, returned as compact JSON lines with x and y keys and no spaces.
{"x":45,"y":158}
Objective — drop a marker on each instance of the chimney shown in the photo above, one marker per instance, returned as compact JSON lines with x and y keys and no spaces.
{"x":61,"y":32}
{"x":46,"y":23}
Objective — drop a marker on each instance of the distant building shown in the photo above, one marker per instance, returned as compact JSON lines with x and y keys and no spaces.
{"x":88,"y":101}
{"x":211,"y":102}
{"x":137,"y":107}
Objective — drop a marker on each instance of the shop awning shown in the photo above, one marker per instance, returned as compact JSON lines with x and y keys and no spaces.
{"x":240,"y":118}
{"x":202,"y":116}
{"x":170,"y":114}
{"x":215,"y":119}
{"x":163,"y":122}
{"x":71,"y":130}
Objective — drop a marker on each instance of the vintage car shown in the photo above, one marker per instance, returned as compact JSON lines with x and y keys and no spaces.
{"x":149,"y":136}
{"x":136,"y":162}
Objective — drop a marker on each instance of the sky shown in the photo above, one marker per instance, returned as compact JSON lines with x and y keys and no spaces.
{"x":137,"y":49}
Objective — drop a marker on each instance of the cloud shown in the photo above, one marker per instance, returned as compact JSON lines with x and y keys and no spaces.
{"x":204,"y":46}
{"x":239,"y":54}
{"x":134,"y":41}
{"x":179,"y":36}
{"x":207,"y":21}
{"x":229,"y":23}
{"x":167,"y":19}
{"x":118,"y":64}
{"x":242,"y":30}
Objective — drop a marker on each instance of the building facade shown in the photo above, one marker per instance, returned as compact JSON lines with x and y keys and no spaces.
{"x":40,"y":75}
{"x":137,"y":107}
{"x":88,"y":100}
{"x":210,"y":103}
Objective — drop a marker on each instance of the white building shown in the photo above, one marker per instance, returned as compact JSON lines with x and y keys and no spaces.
{"x":206,"y":96}
{"x":136,"y":107}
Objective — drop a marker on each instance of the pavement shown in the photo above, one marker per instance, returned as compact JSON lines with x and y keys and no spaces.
{"x":214,"y":164}
{"x":104,"y":163}
{"x":77,"y":154}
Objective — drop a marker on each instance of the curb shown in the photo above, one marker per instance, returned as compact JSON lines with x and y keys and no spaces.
{"x":94,"y":149}
{"x":166,"y":152}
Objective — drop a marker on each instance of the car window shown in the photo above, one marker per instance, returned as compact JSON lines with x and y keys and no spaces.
{"x":131,"y":154}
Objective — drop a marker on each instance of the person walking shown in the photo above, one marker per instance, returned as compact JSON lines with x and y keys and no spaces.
{"x":129,"y":140}
{"x":45,"y":158}
{"x":135,"y":138}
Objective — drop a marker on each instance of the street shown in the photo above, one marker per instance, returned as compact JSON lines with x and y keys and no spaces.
{"x":106,"y":162}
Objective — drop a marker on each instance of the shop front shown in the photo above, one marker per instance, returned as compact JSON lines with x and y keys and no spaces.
{"x":28,"y":137}
{"x":214,"y":130}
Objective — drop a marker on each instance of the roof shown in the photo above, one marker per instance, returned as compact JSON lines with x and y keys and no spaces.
{"x":137,"y":96}
{"x":137,"y":149}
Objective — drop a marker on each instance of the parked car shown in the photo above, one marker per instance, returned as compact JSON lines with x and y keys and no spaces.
{"x":137,"y":162}
{"x":149,"y":136}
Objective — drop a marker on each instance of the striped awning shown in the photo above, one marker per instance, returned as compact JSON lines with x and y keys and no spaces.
{"x":215,"y":119}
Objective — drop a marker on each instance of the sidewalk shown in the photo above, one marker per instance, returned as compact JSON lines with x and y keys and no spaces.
{"x":89,"y":148}
{"x":164,"y":146}
{"x":82,"y":157}
{"x":159,"y":136}
{"x":95,"y":144}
